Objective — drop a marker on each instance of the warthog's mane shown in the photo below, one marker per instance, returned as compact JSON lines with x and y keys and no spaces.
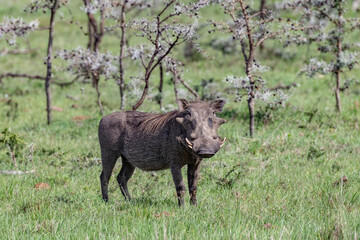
{"x":153,"y":123}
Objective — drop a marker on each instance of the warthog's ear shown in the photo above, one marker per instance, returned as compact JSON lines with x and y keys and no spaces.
{"x":182,"y":104}
{"x":217,"y":105}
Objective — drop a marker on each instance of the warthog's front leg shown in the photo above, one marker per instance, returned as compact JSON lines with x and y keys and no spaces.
{"x":179,"y":183}
{"x":193,"y":174}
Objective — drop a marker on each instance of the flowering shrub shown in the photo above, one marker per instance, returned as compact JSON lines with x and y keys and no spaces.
{"x":12,"y":27}
{"x":84,"y":62}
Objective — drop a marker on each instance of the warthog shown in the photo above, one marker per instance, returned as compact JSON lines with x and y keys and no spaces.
{"x":159,"y":141}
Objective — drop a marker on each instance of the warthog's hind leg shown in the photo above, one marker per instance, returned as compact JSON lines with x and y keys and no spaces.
{"x":108,"y":163}
{"x":125,"y":174}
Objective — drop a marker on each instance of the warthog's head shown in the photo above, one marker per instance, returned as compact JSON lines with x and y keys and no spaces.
{"x":200,"y":124}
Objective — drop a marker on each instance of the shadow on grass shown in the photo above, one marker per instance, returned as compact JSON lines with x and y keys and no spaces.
{"x":147,"y":201}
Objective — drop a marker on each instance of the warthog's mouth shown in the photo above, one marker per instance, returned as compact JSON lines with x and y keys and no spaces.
{"x":204,"y":153}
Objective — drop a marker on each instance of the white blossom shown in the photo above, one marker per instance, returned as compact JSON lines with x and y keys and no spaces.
{"x":12,"y":27}
{"x":84,"y":63}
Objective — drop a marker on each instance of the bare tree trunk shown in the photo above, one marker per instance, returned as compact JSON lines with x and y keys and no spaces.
{"x":338,"y":53}
{"x":100,"y":34}
{"x":144,"y":93}
{"x":91,"y":35}
{"x":49,"y":62}
{"x":262,"y":17}
{"x":121,"y":67}
{"x":249,"y":57}
{"x":95,"y":36}
{"x":337,"y":92}
{"x":161,"y":85}
{"x":98,"y":96}
{"x":251,"y":106}
{"x":175,"y":80}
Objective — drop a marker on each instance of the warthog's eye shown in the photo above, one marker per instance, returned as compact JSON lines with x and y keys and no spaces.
{"x":188,"y":112}
{"x":210,"y":122}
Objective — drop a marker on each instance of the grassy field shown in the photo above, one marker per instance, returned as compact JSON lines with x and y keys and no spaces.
{"x":282,"y":184}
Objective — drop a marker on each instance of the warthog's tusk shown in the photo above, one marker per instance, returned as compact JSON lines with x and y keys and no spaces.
{"x":188,"y":142}
{"x":223,"y":142}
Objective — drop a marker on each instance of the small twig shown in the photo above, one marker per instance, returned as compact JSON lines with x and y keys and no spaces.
{"x":16,"y":51}
{"x":12,"y":154}
{"x":31,"y":152}
{"x":188,"y":87}
{"x":44,"y":28}
{"x":177,"y":77}
{"x":286,"y":87}
{"x":14,"y":172}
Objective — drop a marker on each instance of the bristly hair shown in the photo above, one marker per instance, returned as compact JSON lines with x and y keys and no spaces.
{"x":156,"y":121}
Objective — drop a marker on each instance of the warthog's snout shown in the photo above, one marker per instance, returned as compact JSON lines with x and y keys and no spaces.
{"x":205,"y":147}
{"x":205,"y":153}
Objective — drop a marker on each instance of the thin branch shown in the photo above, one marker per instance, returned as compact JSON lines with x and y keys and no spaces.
{"x":14,"y":172}
{"x":36,"y":77}
{"x":243,"y":50}
{"x":20,"y":75}
{"x":142,"y":61}
{"x":285,"y":87}
{"x":188,"y":88}
{"x":329,"y":17}
{"x":164,"y":9}
{"x":274,"y":34}
{"x":166,"y":53}
{"x":16,"y":51}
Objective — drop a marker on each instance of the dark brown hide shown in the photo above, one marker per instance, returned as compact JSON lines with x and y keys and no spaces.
{"x":159,"y":141}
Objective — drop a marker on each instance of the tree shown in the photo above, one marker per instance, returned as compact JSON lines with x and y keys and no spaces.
{"x":331,"y":38}
{"x":16,"y":27}
{"x":116,"y":10}
{"x":251,"y":28}
{"x":163,"y":31}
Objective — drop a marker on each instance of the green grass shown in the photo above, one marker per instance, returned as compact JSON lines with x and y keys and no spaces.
{"x":281,"y":184}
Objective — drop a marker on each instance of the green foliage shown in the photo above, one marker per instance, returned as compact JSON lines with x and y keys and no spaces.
{"x":11,"y":140}
{"x":265,"y":188}
{"x":314,"y":153}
